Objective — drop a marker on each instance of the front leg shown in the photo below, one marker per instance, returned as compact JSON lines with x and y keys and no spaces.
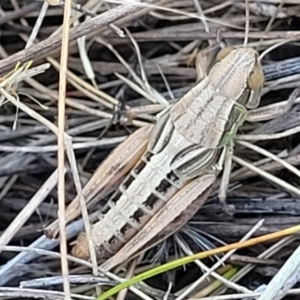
{"x":273,"y":111}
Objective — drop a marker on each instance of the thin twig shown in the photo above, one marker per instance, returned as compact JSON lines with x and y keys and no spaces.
{"x":61,"y":147}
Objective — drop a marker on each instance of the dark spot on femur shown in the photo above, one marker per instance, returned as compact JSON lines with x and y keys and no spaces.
{"x":137,"y":215}
{"x":115,"y":197}
{"x":147,"y":156}
{"x":139,"y":167}
{"x":172,"y":177}
{"x":151,"y":200}
{"x":126,"y":183}
{"x":112,"y":241}
{"x":125,"y":228}
{"x":163,"y":187}
{"x":105,"y":210}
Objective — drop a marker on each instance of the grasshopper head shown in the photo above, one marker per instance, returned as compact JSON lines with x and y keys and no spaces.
{"x":243,"y":74}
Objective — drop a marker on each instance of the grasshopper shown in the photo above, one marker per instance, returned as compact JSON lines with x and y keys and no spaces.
{"x":184,"y":152}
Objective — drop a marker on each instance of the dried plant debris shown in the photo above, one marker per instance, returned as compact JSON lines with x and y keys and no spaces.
{"x":128,"y":62}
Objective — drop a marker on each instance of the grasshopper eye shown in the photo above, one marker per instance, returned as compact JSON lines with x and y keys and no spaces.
{"x":223,"y":53}
{"x":255,"y":84}
{"x":256,"y":78}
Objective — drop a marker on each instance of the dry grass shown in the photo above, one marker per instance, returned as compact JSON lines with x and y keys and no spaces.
{"x":125,"y":63}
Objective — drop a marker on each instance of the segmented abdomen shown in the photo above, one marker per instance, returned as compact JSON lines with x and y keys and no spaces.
{"x":161,"y":172}
{"x":137,"y":199}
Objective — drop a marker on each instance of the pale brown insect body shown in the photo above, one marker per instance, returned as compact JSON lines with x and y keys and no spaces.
{"x":185,"y":144}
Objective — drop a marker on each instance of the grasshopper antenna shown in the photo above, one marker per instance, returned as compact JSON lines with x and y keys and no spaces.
{"x":246,"y":22}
